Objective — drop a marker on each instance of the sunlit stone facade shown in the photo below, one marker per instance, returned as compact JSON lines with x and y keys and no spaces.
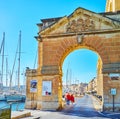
{"x":57,"y":38}
{"x":112,"y":5}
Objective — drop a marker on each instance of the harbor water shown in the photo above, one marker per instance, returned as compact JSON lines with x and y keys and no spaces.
{"x":16,"y":106}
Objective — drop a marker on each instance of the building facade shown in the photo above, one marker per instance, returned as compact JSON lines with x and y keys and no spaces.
{"x":57,"y":37}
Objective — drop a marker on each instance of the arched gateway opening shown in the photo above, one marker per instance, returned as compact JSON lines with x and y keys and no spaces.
{"x":79,"y":68}
{"x":58,"y":37}
{"x":82,"y":72}
{"x":74,"y":88}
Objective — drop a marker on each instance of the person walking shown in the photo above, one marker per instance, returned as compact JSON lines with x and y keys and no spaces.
{"x":68,"y":98}
{"x":72,"y":98}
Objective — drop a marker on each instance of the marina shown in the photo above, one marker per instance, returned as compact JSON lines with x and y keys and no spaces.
{"x":15,"y":106}
{"x":12,"y":97}
{"x":12,"y":93}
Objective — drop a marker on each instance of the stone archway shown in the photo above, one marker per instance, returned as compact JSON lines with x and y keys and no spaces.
{"x":56,"y":39}
{"x":98,"y":80}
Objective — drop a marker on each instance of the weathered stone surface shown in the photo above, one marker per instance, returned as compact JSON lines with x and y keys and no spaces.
{"x":112,"y":67}
{"x":55,"y":43}
{"x":50,"y":70}
{"x":112,"y":5}
{"x":80,"y":20}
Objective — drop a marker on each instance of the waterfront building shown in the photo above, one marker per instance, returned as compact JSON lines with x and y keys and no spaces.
{"x":57,"y":37}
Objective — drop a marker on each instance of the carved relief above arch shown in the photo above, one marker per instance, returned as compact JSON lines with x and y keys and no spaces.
{"x":80,"y":20}
{"x":80,"y":25}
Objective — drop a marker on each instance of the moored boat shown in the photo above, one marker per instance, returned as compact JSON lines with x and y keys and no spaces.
{"x":15,"y":98}
{"x":2,"y":98}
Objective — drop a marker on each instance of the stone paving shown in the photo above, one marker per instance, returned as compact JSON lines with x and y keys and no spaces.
{"x":97,"y":103}
{"x":38,"y":114}
{"x":20,"y":114}
{"x":35,"y":114}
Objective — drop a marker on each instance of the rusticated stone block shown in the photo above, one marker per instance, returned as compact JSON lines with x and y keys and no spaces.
{"x":50,"y":70}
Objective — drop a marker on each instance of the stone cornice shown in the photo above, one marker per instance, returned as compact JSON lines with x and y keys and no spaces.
{"x":106,"y":31}
{"x":80,"y":20}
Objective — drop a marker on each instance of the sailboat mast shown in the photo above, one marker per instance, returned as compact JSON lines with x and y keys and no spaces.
{"x":6,"y":72}
{"x":67,"y":78}
{"x":2,"y":49}
{"x":19,"y":58}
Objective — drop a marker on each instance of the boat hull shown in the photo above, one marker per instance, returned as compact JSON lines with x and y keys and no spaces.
{"x":15,"y":98}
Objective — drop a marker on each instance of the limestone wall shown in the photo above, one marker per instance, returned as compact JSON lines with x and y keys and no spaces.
{"x":108,"y":84}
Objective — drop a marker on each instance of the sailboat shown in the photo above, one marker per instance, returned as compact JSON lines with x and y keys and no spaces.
{"x":2,"y":54}
{"x":2,"y":97}
{"x":16,"y":95}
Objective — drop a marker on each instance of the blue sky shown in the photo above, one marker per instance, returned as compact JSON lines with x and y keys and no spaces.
{"x":16,"y":15}
{"x":80,"y":65}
